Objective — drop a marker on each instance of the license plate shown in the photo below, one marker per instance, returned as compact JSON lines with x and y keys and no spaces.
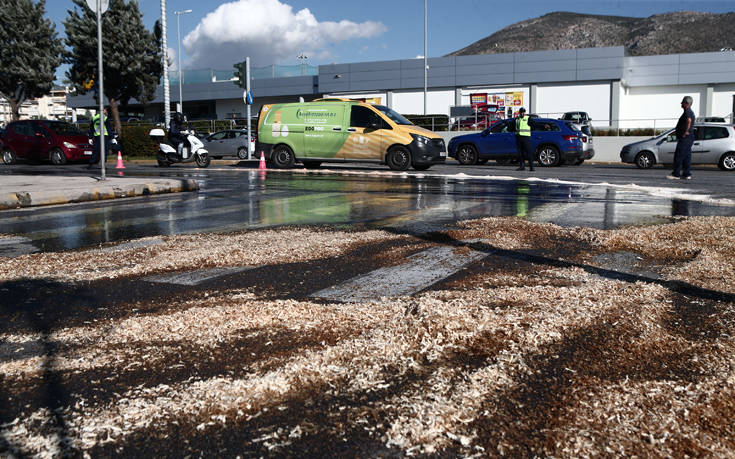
{"x":87,"y":153}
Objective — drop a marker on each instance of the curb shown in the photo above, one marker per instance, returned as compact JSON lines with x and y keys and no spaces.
{"x":20,"y":199}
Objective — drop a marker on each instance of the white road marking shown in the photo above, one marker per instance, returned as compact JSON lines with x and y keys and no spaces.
{"x":195,"y":277}
{"x":421,"y":270}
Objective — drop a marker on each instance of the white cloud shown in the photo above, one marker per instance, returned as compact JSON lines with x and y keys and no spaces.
{"x":268,"y":31}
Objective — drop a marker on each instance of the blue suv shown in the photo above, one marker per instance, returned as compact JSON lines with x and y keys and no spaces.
{"x":554,"y":142}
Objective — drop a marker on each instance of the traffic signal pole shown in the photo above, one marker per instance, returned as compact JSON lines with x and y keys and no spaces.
{"x":247,"y":92}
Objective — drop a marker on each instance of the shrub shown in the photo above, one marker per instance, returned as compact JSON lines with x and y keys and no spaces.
{"x":136,"y":141}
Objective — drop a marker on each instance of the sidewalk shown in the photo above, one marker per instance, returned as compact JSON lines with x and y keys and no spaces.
{"x":41,"y":190}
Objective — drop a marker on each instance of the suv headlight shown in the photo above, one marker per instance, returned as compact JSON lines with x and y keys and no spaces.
{"x":69,"y":145}
{"x":421,"y":139}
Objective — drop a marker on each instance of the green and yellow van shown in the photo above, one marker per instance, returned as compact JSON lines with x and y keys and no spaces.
{"x":340,"y":130}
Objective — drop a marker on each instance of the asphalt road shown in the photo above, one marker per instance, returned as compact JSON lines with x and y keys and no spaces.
{"x":236,"y":196}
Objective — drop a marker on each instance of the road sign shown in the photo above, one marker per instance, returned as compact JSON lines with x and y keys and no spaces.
{"x":104,"y":4}
{"x":248,"y":97}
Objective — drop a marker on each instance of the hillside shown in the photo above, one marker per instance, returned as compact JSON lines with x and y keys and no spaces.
{"x":669,"y":33}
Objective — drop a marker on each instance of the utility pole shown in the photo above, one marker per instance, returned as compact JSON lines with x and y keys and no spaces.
{"x":164,"y":53}
{"x":178,"y":38}
{"x":426,"y":49}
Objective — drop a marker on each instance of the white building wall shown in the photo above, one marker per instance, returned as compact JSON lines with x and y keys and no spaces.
{"x":412,"y":102}
{"x":722,"y":100}
{"x":553,"y":100}
{"x":657,"y":106}
{"x":372,"y":95}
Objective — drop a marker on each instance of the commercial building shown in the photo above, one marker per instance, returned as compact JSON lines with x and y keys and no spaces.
{"x":616,"y":89}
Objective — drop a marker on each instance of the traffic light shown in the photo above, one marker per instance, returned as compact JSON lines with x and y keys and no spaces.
{"x":240,"y":74}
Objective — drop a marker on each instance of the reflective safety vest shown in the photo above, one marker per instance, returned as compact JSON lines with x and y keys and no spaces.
{"x":96,"y":124}
{"x":522,"y":126}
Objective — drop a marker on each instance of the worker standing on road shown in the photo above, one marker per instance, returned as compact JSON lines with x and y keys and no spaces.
{"x":95,"y":130}
{"x":523,"y":139}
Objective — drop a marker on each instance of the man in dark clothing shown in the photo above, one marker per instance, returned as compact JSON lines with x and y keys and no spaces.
{"x":95,"y":131}
{"x":174,"y":131}
{"x":684,"y":142}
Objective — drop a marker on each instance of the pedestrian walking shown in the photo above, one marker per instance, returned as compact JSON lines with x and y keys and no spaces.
{"x":523,"y":140}
{"x":99,"y":122}
{"x":684,"y":141}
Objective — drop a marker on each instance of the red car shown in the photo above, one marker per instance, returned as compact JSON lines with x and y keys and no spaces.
{"x":41,"y":140}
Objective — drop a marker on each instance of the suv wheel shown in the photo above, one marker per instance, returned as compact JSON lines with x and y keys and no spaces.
{"x":467,"y":155}
{"x":548,"y":156}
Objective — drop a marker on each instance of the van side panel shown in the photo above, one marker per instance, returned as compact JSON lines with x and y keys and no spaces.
{"x":274,"y":128}
{"x":325,"y":130}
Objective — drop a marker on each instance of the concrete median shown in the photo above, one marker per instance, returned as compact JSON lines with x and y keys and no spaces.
{"x":17,"y":191}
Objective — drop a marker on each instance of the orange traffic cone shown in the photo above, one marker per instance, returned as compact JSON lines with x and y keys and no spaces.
{"x":120,"y":164}
{"x":261,"y":166}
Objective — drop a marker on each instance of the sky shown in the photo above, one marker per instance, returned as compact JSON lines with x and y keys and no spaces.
{"x":218,"y":33}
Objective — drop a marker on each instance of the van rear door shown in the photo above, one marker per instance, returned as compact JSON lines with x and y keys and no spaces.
{"x":324,"y":129}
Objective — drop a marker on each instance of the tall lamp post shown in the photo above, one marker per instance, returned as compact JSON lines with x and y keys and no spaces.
{"x":164,"y":57}
{"x":178,"y":37}
{"x":426,"y":49}
{"x":302,"y":57}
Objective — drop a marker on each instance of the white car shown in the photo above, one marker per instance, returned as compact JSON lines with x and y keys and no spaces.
{"x":714,"y":144}
{"x":230,"y":142}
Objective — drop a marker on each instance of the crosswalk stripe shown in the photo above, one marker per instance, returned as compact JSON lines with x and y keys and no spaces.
{"x":420,"y":271}
{"x":196,"y":277}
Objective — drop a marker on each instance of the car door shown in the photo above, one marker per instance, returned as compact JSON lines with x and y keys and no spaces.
{"x":44,"y":141}
{"x":214,"y":144}
{"x":666,"y":149}
{"x":543,"y":132}
{"x":712,"y":143}
{"x":22,"y":140}
{"x":499,"y":140}
{"x":230,"y":143}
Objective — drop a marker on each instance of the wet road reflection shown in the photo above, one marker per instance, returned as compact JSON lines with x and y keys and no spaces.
{"x":230,"y":201}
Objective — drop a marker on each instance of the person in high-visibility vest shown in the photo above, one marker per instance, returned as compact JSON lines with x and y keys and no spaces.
{"x":523,"y":139}
{"x":95,"y":131}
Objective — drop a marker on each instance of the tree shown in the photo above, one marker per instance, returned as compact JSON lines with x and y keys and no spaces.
{"x":30,"y":52}
{"x":131,"y":54}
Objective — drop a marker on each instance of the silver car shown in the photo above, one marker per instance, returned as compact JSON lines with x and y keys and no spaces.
{"x":713,"y":144}
{"x":588,"y":150}
{"x":231,"y":142}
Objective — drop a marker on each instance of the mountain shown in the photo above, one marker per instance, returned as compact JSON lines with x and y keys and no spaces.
{"x":669,"y":33}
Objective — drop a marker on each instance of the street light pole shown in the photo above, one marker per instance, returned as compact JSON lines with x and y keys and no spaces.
{"x":426,"y":48}
{"x":164,"y":54}
{"x":178,"y":37}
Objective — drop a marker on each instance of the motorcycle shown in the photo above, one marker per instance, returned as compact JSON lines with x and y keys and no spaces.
{"x":168,"y":154}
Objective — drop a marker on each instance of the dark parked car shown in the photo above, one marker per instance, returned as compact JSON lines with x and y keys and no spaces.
{"x":44,"y":140}
{"x":231,"y":142}
{"x":554,"y":142}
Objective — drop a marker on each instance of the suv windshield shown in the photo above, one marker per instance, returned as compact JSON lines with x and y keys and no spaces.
{"x":61,"y":128}
{"x":395,"y":117}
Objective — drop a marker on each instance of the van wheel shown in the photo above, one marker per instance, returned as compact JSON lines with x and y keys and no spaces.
{"x":57,"y":157}
{"x":282,"y":157}
{"x":9,"y":156}
{"x":548,"y":156}
{"x":727,"y":162}
{"x":645,"y":160}
{"x":398,"y":159}
{"x":311,"y":164}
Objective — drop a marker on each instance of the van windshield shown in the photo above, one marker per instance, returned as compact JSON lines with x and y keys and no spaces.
{"x":395,"y":117}
{"x":60,"y":128}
